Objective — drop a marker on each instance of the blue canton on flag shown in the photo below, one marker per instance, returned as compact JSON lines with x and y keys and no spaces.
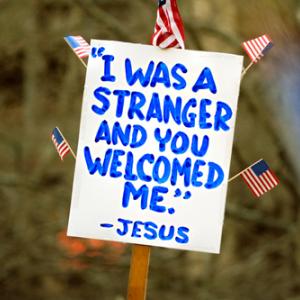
{"x":267,"y":48}
{"x":260,"y":168}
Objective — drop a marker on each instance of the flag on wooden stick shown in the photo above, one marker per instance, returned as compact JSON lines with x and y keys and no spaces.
{"x":60,"y":143}
{"x":257,"y":47}
{"x":168,"y":30}
{"x":259,"y":178}
{"x":79,"y":45}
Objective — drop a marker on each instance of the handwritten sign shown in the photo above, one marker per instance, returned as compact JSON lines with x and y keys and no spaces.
{"x":154,"y":147}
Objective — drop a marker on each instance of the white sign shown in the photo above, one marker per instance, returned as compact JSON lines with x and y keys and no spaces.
{"x":154,"y":147}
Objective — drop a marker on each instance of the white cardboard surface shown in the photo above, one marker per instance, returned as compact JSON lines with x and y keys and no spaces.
{"x":190,"y":223}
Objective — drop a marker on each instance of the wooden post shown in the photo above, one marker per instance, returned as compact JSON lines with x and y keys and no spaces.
{"x":138,"y":275}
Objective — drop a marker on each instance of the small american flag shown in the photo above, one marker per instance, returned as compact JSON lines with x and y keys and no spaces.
{"x":259,"y":178}
{"x":79,"y":45}
{"x":168,"y":30}
{"x":60,"y":143}
{"x":258,"y":47}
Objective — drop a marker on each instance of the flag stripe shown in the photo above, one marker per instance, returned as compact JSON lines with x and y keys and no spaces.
{"x":174,"y":20}
{"x":79,"y":45}
{"x":268,"y":180}
{"x":266,"y":177}
{"x":259,"y":187}
{"x":255,"y":45}
{"x":273,"y":178}
{"x":253,"y":184}
{"x":162,"y":19}
{"x":62,"y":147}
{"x":259,"y":178}
{"x":250,"y":185}
{"x":167,"y":41}
{"x":60,"y":143}
{"x":168,"y":30}
{"x":64,"y":152}
{"x":260,"y":182}
{"x":249,"y":52}
{"x":256,"y":48}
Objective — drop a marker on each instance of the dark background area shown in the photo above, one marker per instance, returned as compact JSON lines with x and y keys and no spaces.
{"x":42,"y":83}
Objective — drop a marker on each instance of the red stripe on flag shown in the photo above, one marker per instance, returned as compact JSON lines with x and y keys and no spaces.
{"x":249,"y":51}
{"x":267,"y":181}
{"x":261,"y":189}
{"x":261,"y":182}
{"x":168,"y":25}
{"x":255,"y":48}
{"x":247,"y":178}
{"x":272,"y":177}
{"x":261,"y":179}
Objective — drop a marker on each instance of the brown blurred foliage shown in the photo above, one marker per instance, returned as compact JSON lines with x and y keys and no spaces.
{"x":41,"y":87}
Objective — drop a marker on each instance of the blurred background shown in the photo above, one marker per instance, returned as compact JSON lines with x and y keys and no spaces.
{"x":42,"y":83}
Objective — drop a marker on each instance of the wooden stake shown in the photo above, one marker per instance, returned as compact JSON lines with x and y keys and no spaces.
{"x":138,"y":275}
{"x":82,"y":61}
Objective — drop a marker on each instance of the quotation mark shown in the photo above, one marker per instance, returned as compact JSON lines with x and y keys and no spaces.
{"x":178,"y":193}
{"x":97,"y":52}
